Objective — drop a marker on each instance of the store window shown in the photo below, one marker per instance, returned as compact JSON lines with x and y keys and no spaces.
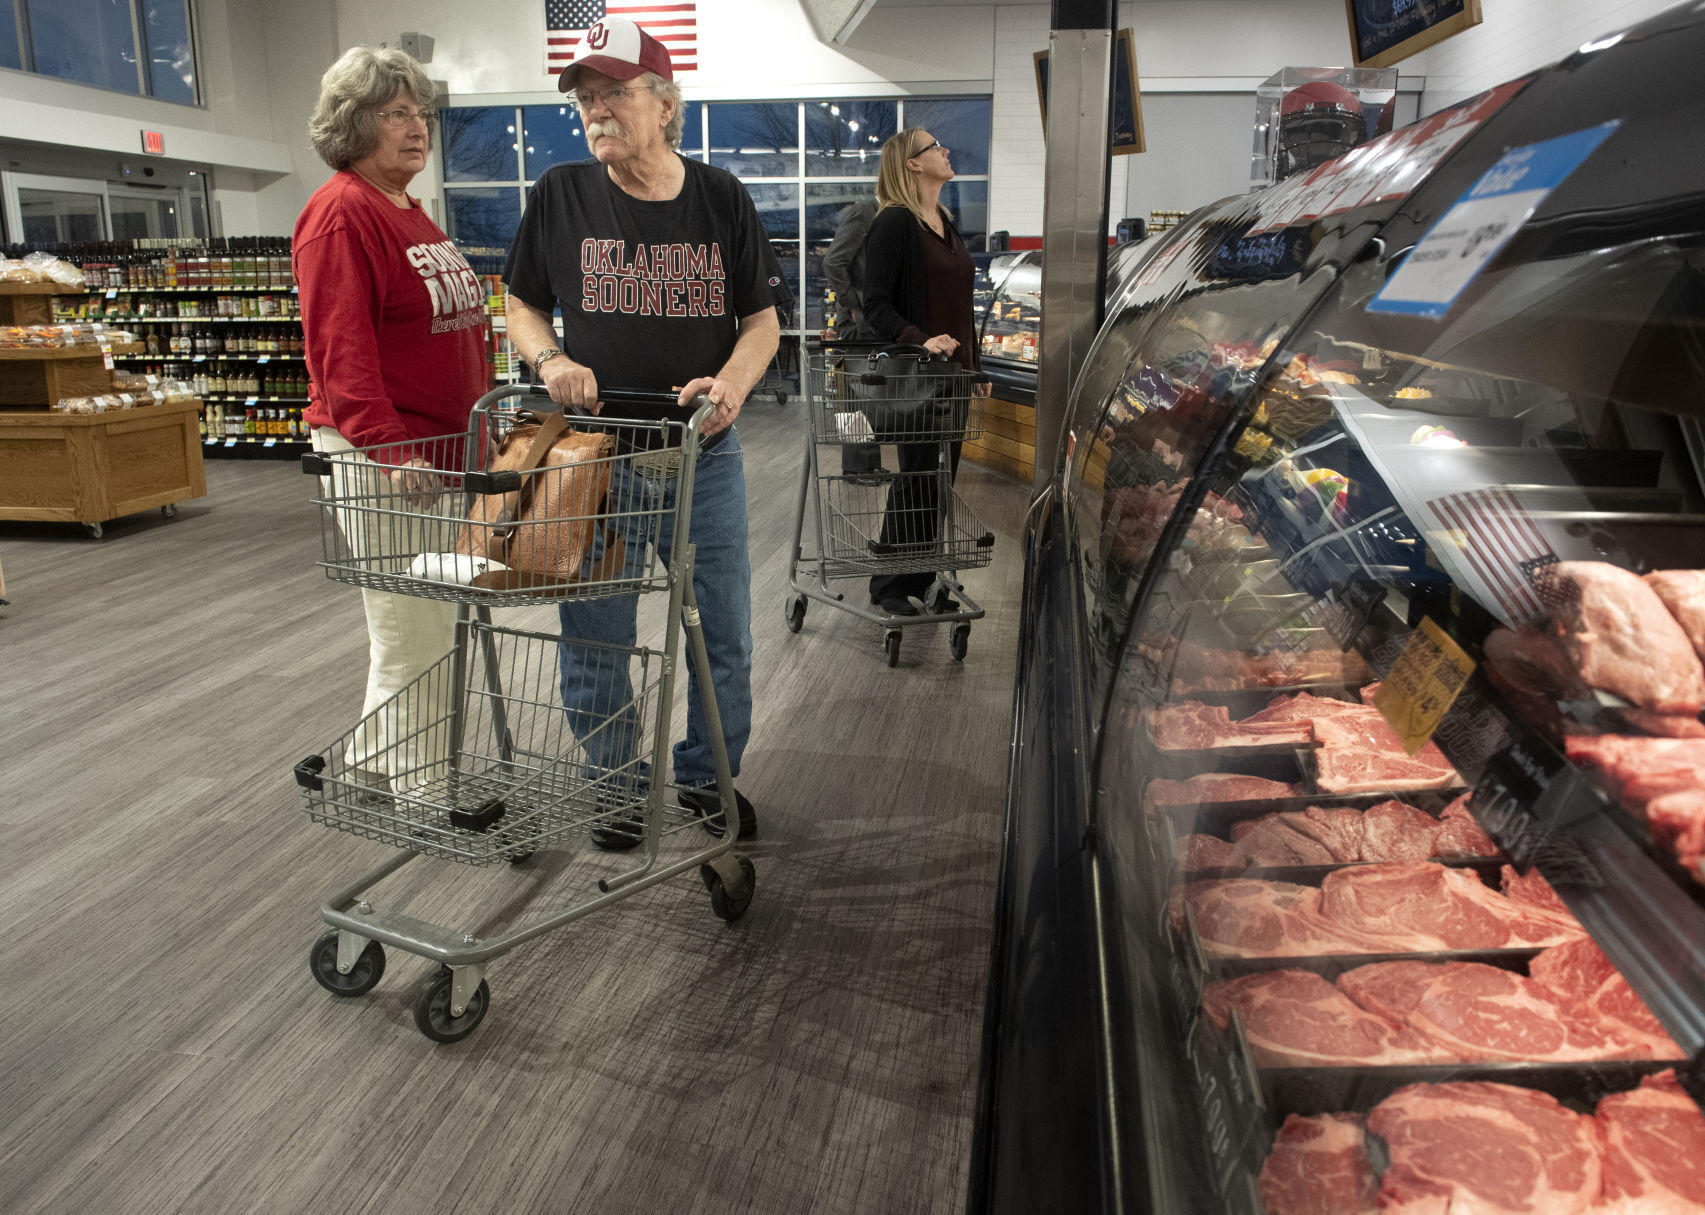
{"x":803,"y":162}
{"x":130,"y":46}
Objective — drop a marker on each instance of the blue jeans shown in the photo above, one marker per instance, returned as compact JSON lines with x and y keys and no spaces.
{"x":594,"y":689}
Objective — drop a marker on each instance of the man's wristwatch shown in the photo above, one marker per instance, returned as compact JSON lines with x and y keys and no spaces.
{"x":544,"y":356}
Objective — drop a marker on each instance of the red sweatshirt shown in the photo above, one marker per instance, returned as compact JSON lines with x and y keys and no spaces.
{"x":393,"y":316}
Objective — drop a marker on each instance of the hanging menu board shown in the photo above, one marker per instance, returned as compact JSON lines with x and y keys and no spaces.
{"x":1383,"y":32}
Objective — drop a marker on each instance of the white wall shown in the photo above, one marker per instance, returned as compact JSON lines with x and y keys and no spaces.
{"x":1516,"y":36}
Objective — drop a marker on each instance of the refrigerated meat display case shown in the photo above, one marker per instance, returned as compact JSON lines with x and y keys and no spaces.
{"x":1007,"y":308}
{"x":1353,"y":847}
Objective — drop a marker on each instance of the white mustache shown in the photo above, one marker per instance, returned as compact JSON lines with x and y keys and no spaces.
{"x":608,"y":127}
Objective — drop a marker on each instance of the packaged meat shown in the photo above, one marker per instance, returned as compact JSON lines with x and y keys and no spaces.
{"x":1319,"y":1166}
{"x":1472,"y":1146}
{"x":1683,"y":593}
{"x":1654,"y":1150}
{"x":1621,"y":637}
{"x":1295,"y":1018}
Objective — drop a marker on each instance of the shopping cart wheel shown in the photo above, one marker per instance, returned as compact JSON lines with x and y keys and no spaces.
{"x":795,"y":613}
{"x":730,"y":907}
{"x":362,"y":977}
{"x":892,"y":643}
{"x":959,"y":641}
{"x":432,"y":1008}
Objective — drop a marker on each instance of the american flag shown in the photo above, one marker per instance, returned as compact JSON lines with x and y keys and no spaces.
{"x":676,"y":26}
{"x":1502,"y":546}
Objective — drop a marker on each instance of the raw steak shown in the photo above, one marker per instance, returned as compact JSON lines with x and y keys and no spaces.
{"x":1206,"y":852}
{"x":1252,"y":918}
{"x":1642,"y":768}
{"x":1621,"y":637}
{"x":1461,"y":835}
{"x":1664,"y":725}
{"x":1303,"y":707}
{"x":1396,"y":831}
{"x":1678,"y":819}
{"x":1532,"y":890}
{"x":1295,"y":1018}
{"x":1474,"y":1148}
{"x":1215,"y":787}
{"x":1683,"y":593}
{"x":1582,"y":978}
{"x":1270,"y":841}
{"x":1319,"y":1166}
{"x":1191,"y":725}
{"x":1654,"y":1150}
{"x":1338,"y":829}
{"x":1427,"y":906}
{"x":1474,"y":1013}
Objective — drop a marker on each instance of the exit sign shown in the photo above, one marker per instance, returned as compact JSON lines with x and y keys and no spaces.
{"x":154,"y":142}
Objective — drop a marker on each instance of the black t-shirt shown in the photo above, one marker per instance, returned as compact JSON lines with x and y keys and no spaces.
{"x":651,"y":293}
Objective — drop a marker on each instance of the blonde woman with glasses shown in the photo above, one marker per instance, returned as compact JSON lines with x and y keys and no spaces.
{"x":394,"y":321}
{"x":917,"y":292}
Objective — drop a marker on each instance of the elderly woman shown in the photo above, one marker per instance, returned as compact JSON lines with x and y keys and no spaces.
{"x":917,"y":290}
{"x":394,"y":321}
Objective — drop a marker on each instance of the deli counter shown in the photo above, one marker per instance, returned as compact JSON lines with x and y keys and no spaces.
{"x":1355,"y":844}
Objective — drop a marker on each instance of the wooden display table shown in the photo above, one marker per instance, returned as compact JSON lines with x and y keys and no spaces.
{"x":38,"y":375}
{"x":1008,"y":441}
{"x":31,"y":303}
{"x":90,"y":467}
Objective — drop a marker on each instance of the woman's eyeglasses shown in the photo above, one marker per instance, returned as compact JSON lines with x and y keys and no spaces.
{"x":612,"y":97}
{"x":929,"y":148}
{"x":402,"y":118}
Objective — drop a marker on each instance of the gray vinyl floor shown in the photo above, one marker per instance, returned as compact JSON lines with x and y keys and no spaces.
{"x":165,"y":1049}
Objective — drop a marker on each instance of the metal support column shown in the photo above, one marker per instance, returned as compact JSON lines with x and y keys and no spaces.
{"x":1074,"y":211}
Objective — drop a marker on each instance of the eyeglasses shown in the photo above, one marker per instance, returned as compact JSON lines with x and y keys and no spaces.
{"x":402,"y":118}
{"x":929,"y":148}
{"x":613,"y":97}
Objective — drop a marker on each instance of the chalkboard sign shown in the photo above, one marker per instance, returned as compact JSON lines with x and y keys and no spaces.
{"x":1126,"y":128}
{"x":1382,"y":32}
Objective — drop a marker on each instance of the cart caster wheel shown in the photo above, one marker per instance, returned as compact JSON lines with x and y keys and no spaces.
{"x":520,"y":858}
{"x":94,"y":529}
{"x":432,"y":1008}
{"x":795,"y":613}
{"x":892,"y":644}
{"x":169,"y":510}
{"x":362,"y":977}
{"x":725,"y":905}
{"x":959,"y":641}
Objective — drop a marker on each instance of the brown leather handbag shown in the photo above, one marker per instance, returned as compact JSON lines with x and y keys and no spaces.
{"x":544,"y":530}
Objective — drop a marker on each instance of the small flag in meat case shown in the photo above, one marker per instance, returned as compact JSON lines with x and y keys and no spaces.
{"x":676,"y":26}
{"x":1502,"y":546}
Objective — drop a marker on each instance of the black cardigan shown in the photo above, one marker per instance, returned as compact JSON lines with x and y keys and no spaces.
{"x":894,"y":287}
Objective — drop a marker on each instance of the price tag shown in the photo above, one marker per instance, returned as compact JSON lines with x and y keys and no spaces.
{"x":251,"y":400}
{"x":1482,"y":222}
{"x":1423,"y":684}
{"x":106,"y":355}
{"x":199,"y":358}
{"x":230,"y":442}
{"x":265,"y":358}
{"x":112,"y":293}
{"x":269,"y":442}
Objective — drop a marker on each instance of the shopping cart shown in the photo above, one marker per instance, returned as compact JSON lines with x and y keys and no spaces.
{"x":516,"y":740}
{"x":909,"y":521}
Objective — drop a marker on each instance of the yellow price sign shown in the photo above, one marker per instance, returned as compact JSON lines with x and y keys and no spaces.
{"x":1423,"y":684}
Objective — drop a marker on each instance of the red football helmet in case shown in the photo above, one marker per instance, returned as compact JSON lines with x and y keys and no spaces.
{"x":1317,"y":121}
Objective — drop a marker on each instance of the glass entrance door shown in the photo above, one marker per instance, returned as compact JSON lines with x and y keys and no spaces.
{"x":59,"y":215}
{"x":137,"y":214}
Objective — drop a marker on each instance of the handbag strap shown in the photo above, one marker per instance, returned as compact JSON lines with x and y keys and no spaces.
{"x":550,"y":430}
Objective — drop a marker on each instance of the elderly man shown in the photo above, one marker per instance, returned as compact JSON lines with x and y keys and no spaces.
{"x":664,"y":279}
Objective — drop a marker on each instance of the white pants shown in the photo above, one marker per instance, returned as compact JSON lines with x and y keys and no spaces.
{"x":402,"y":739}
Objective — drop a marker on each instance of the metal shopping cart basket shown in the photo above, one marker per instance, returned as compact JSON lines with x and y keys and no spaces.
{"x":907,"y":521}
{"x":515,"y":740}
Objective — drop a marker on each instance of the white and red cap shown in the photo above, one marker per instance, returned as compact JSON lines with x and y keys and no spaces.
{"x":617,"y":48}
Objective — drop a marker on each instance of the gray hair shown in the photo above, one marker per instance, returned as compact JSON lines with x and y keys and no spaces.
{"x":345,"y":124}
{"x":670,"y":91}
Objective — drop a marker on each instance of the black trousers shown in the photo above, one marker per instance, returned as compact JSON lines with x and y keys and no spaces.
{"x":913,"y":513}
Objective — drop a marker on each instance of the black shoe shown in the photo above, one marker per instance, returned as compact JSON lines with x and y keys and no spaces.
{"x":941,"y":604}
{"x":624,"y":830}
{"x":707,"y":804}
{"x":895,"y":605}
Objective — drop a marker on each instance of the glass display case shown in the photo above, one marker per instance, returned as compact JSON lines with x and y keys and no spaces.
{"x":1357,"y":808}
{"x":1008,"y":305}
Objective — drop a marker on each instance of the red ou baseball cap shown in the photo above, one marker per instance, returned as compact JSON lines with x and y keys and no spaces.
{"x":617,"y":48}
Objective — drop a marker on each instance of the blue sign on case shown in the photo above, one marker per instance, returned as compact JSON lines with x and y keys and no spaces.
{"x":1482,"y":222}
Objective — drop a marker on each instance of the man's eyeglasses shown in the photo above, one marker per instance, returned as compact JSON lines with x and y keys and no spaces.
{"x":613,"y":97}
{"x":929,"y":148}
{"x":402,"y":118}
